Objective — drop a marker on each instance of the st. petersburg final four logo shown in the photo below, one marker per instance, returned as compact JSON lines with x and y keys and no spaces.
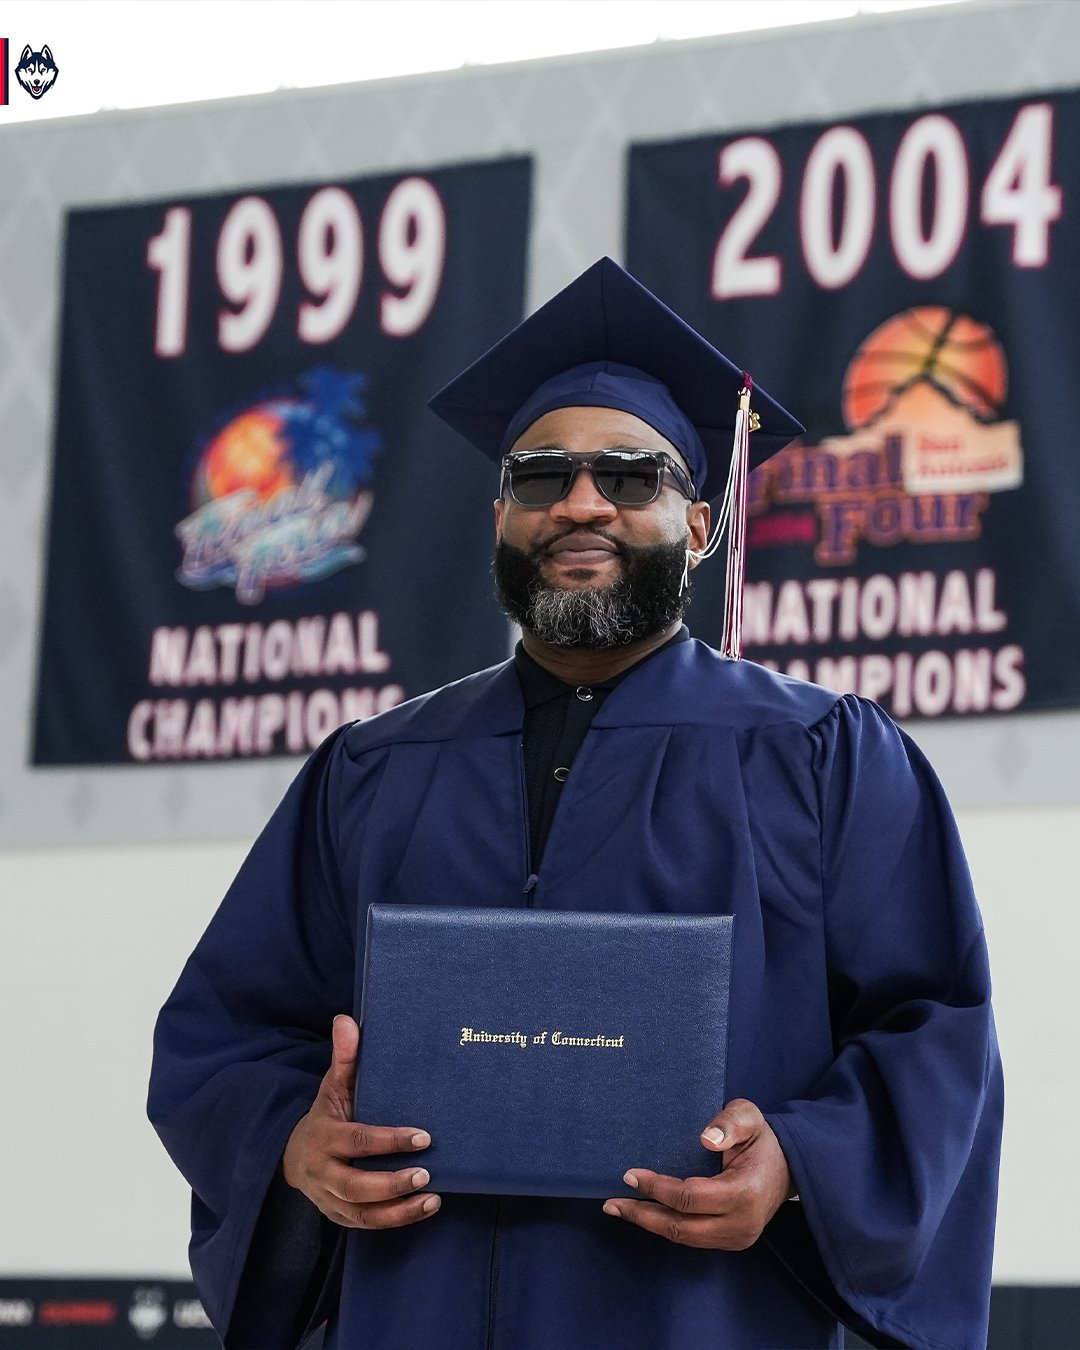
{"x":281,"y":490}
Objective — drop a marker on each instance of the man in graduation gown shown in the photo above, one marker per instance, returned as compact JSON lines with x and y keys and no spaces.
{"x":613,"y":765}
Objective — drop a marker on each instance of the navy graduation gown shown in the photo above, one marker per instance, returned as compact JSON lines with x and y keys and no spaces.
{"x":860,"y":1021}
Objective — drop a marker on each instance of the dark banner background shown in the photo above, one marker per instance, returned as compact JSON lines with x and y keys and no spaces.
{"x":165,"y":403}
{"x":789,"y":264}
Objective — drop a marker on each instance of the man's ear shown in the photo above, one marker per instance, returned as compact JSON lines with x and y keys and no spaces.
{"x":698,"y":518}
{"x":498,"y":505}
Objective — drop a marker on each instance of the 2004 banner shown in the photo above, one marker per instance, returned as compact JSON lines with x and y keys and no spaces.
{"x":257,"y":530}
{"x":908,"y":285}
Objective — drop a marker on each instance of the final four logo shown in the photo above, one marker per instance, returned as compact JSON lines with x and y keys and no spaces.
{"x":281,"y":490}
{"x":928,"y":443}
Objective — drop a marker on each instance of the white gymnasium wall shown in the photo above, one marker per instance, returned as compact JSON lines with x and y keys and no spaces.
{"x":107,"y":876}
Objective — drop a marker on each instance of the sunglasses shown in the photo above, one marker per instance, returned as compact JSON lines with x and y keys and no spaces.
{"x":623,"y":477}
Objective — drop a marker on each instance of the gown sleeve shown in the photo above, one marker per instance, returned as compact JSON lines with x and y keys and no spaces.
{"x":894,"y":1152}
{"x":240,"y":1049}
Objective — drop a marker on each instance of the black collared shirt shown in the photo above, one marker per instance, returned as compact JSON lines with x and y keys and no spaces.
{"x":557,"y":717}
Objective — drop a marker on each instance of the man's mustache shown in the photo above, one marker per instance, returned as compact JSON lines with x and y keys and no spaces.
{"x":542,"y":547}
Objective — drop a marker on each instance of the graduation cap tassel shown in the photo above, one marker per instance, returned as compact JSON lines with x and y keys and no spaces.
{"x":731,"y":518}
{"x":735,"y":502}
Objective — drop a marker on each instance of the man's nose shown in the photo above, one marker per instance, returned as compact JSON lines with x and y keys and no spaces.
{"x":584,"y":501}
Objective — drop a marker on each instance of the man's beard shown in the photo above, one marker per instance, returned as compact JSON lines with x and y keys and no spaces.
{"x":646,"y":599}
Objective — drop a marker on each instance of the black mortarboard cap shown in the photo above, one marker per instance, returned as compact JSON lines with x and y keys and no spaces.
{"x":617,"y":345}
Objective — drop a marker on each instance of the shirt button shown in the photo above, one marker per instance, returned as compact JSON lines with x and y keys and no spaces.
{"x":561,"y":775}
{"x":584,"y":693}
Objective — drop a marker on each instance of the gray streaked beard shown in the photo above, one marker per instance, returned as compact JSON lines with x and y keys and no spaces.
{"x":580,"y":618}
{"x":644,"y":601}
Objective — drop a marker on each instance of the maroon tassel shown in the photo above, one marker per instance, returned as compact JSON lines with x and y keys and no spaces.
{"x":731,"y":642}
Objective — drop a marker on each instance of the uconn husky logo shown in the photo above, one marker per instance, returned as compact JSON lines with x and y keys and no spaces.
{"x":36,"y":71}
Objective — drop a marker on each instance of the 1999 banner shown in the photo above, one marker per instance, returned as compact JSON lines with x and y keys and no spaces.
{"x":255,"y":522}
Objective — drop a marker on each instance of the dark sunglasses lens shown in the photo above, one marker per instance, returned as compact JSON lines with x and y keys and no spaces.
{"x":539,"y":480}
{"x":628,"y":480}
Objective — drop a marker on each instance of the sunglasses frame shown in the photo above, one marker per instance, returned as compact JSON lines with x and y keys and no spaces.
{"x":664,"y":461}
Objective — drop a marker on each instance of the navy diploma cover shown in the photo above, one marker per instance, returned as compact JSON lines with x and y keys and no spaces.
{"x":546,"y":1051}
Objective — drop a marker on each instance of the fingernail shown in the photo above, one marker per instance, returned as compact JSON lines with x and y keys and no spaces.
{"x":421,"y":1139}
{"x":431,"y":1204}
{"x":630,"y":1179}
{"x":613,"y":1210}
{"x":420,"y":1178}
{"x":713,"y":1135}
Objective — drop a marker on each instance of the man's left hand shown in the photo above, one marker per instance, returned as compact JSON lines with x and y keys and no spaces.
{"x":727,"y":1211}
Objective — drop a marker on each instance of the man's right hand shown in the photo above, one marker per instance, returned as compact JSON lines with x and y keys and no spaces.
{"x":316,"y":1156}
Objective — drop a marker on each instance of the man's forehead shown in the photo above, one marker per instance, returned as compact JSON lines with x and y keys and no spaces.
{"x":587,"y":430}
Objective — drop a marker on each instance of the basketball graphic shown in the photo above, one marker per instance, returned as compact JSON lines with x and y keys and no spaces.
{"x":251,"y":452}
{"x":930,"y":384}
{"x":275,"y":444}
{"x":955,"y":354}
